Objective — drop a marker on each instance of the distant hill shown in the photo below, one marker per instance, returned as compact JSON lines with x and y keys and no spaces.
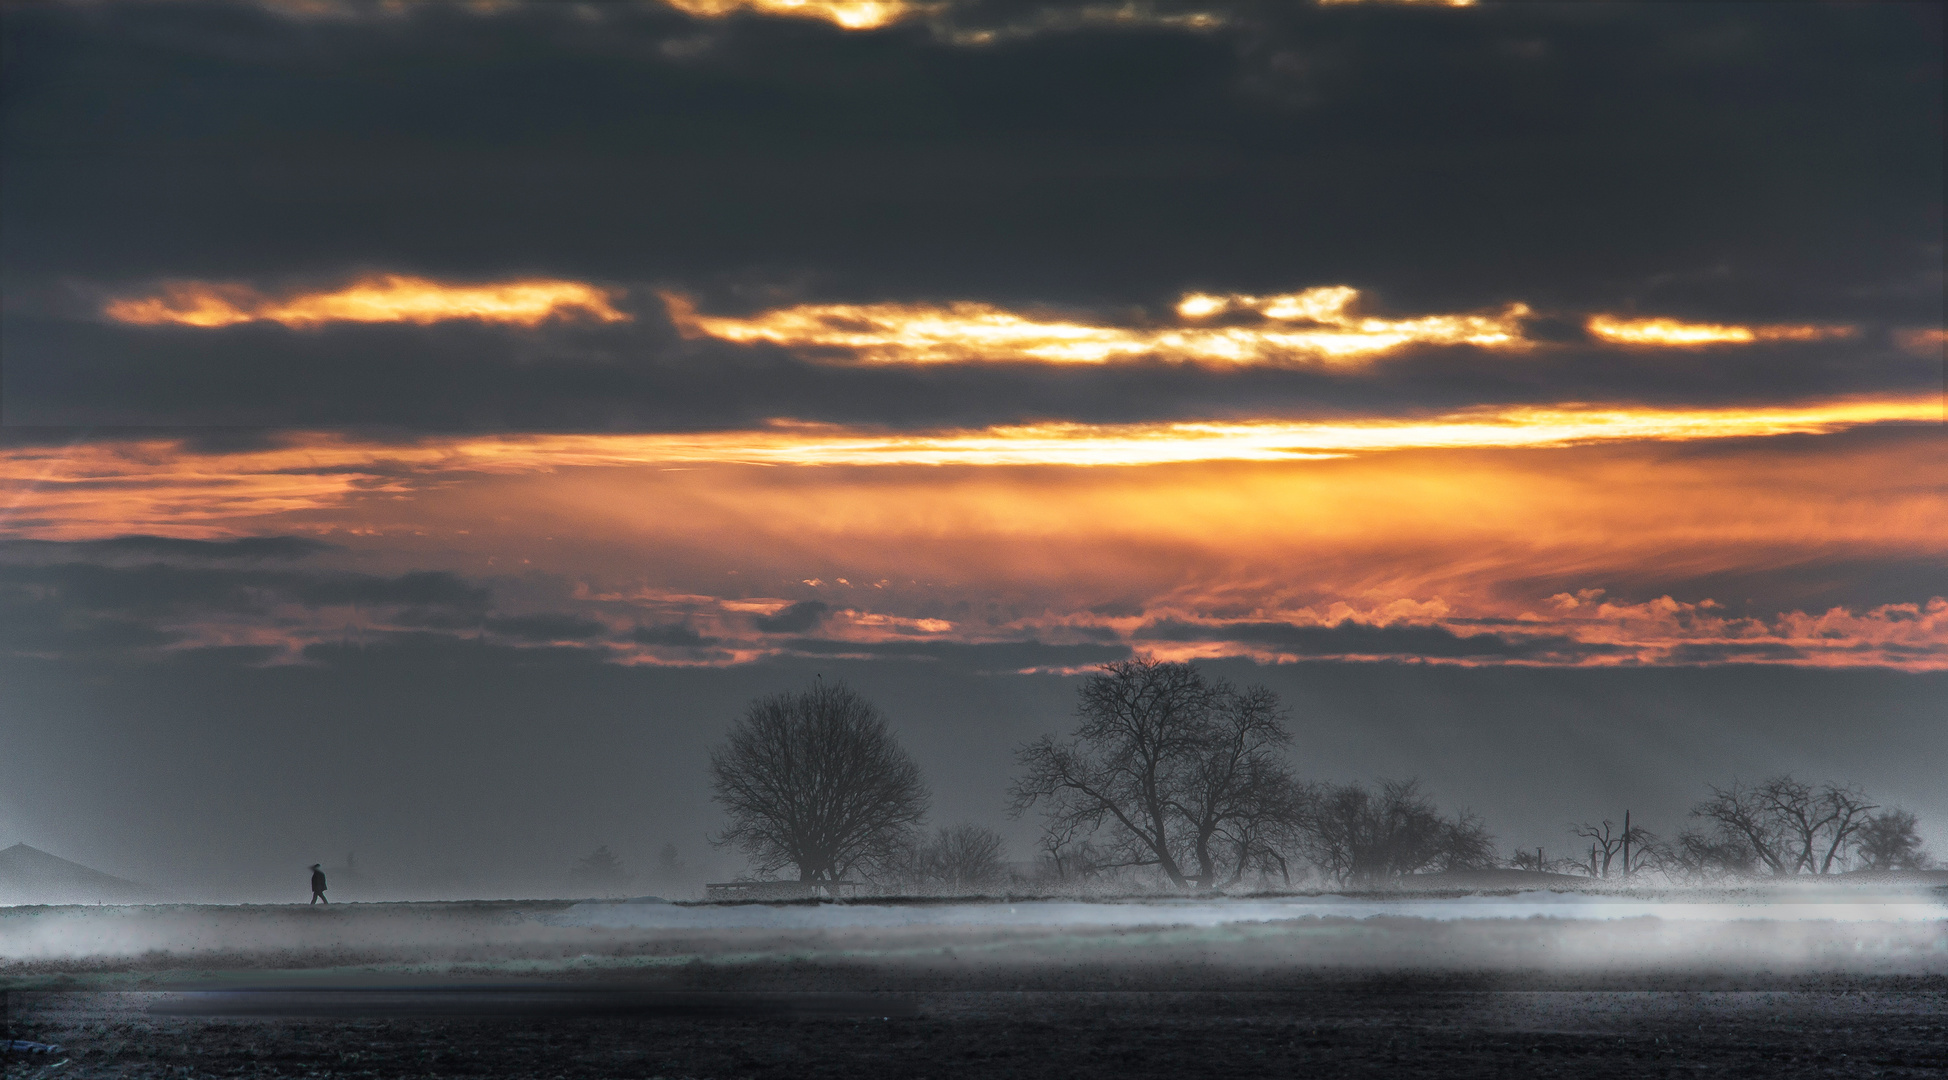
{"x":31,"y":876}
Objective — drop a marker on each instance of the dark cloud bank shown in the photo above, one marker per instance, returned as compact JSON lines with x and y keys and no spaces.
{"x":1731,"y":162}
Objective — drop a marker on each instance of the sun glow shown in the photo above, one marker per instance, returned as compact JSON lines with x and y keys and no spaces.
{"x":1670,"y":332}
{"x":848,"y":14}
{"x":384,"y":298}
{"x":95,"y":489}
{"x":1073,"y":444}
{"x":1316,"y":326}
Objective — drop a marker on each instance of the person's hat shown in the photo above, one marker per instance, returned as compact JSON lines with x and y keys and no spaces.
{"x":314,"y":866}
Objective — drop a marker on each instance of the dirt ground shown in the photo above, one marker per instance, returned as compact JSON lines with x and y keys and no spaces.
{"x":1437,"y":1025}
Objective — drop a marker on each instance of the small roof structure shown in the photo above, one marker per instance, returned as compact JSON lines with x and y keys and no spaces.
{"x":29,"y":875}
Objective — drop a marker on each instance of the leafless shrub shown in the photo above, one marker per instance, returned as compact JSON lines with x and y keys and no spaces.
{"x":1358,"y":835}
{"x":955,"y":861}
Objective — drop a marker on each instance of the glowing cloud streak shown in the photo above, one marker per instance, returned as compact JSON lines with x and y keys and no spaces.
{"x":849,"y":14}
{"x":1071,"y":444}
{"x":102,"y":489}
{"x":1674,"y":334}
{"x":385,"y":298}
{"x":1316,"y":326}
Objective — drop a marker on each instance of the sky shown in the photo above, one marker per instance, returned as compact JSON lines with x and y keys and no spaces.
{"x":424,"y":426}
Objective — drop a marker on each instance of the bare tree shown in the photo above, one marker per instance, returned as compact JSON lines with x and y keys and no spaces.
{"x":1168,"y":770}
{"x":1816,"y":822}
{"x":1360,"y":835}
{"x":1608,"y":843}
{"x":1891,"y":840}
{"x":1743,"y":821}
{"x":814,"y":780}
{"x":1789,"y":826}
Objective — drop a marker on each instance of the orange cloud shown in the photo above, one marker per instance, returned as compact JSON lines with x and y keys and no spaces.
{"x":1552,"y":548}
{"x":1671,"y":333}
{"x":1316,"y":326}
{"x":850,"y":14}
{"x":105,"y":488}
{"x":385,"y":298}
{"x":1921,"y":341}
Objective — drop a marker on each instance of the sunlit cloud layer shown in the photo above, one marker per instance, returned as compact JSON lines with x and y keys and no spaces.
{"x":1553,"y":537}
{"x":384,"y":298}
{"x":166,"y":491}
{"x":1672,"y":333}
{"x":1317,"y":326}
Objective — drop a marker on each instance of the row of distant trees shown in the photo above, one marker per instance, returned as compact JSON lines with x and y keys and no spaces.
{"x":1783,"y":827}
{"x":1170,"y":774}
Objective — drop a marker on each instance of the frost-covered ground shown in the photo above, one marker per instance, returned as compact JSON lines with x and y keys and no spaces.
{"x":1759,"y":983}
{"x":1850,"y":929}
{"x":1802,"y":905}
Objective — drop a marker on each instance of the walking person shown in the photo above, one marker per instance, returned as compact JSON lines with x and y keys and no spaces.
{"x":317,"y":884}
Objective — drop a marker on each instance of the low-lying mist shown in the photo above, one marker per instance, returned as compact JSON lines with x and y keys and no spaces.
{"x":1806,"y":929}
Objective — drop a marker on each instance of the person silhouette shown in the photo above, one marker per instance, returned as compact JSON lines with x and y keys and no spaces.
{"x":317,"y":884}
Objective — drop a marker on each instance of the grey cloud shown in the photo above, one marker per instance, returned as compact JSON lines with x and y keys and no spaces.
{"x":795,"y":619}
{"x":159,"y":588}
{"x":419,"y":587}
{"x":552,"y":626}
{"x":980,"y":656}
{"x":674,"y":635}
{"x":404,"y":651}
{"x":249,"y":547}
{"x":1734,"y":652}
{"x":1351,"y":638}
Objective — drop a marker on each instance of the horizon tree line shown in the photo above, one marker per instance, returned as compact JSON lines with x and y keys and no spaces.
{"x":1169,"y":773}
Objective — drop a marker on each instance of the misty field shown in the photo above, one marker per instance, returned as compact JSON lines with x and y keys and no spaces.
{"x":1811,"y":981}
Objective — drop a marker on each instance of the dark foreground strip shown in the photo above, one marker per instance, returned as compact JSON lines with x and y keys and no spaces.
{"x":522,"y":1001}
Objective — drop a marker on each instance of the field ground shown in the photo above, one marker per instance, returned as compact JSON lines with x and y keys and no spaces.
{"x":535,"y":990}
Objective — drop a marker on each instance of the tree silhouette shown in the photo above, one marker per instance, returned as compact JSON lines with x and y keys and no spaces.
{"x":956,"y":859}
{"x":1171,"y":771}
{"x":1787,"y":826}
{"x":1891,"y":840}
{"x":601,"y":871}
{"x":1357,"y":834}
{"x":1607,"y":842}
{"x":815,"y":781}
